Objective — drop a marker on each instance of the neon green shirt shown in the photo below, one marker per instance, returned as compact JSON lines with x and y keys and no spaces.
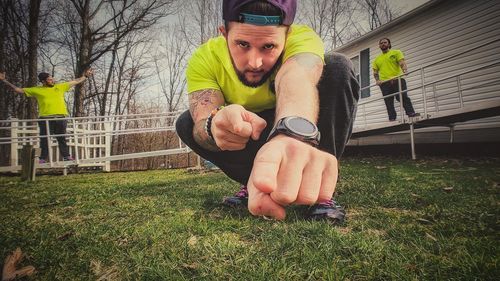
{"x":211,"y":67}
{"x":50,"y":99}
{"x":387,"y":64}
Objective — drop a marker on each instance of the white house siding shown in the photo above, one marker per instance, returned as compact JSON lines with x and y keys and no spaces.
{"x":438,"y":30}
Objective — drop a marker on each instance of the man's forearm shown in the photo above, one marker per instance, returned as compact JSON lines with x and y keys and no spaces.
{"x":201,"y":104}
{"x":14,"y":87}
{"x":296,"y":87}
{"x":77,"y":81}
{"x":403,"y":66}
{"x":201,"y":137}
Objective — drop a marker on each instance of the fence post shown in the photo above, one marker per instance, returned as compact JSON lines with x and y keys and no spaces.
{"x":75,"y":141}
{"x":412,"y":140}
{"x":400,"y":88}
{"x":28,"y":163}
{"x":424,"y":93}
{"x":14,"y":144}
{"x":107,"y":144}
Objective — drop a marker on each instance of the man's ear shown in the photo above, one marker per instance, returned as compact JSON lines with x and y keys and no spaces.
{"x":222,"y":30}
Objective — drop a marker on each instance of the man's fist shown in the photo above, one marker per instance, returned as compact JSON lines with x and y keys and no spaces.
{"x":288,"y":171}
{"x":233,"y":126}
{"x":88,"y":72}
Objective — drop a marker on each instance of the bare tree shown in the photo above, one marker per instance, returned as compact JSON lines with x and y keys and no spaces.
{"x":200,"y":20}
{"x":379,"y":12}
{"x":170,"y":63}
{"x":331,"y":19}
{"x":93,"y":28}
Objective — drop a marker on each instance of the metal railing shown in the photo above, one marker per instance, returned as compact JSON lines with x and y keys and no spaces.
{"x":426,"y":101}
{"x":89,"y":138}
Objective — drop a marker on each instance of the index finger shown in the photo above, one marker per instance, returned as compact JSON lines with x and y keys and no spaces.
{"x":266,"y":167}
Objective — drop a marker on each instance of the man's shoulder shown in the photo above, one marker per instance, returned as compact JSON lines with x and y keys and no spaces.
{"x":300,"y":28}
{"x":396,"y":51}
{"x":212,"y":46}
{"x":62,"y":84}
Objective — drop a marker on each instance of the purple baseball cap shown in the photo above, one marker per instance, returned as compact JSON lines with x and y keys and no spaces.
{"x":231,"y":12}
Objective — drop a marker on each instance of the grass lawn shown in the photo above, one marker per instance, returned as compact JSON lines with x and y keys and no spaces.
{"x":430,"y":219}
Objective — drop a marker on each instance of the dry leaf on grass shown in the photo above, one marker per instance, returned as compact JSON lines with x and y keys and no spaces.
{"x":431,"y":237}
{"x":104,"y":273}
{"x":192,"y":241}
{"x":424,"y":221}
{"x":9,"y":267}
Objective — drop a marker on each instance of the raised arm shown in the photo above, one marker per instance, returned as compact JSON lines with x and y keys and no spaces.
{"x":14,"y":87}
{"x":84,"y":77}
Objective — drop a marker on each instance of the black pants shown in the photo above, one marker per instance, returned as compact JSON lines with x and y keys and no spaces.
{"x":391,"y":87}
{"x":338,"y":94}
{"x":56,"y":127}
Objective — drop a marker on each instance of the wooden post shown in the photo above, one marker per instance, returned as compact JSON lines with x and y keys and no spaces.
{"x":28,"y":163}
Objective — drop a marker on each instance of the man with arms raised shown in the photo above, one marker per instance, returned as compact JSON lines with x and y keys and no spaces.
{"x":51,"y":105}
{"x":255,"y":110}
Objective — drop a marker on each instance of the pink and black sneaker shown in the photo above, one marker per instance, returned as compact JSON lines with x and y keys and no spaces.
{"x":240,"y":199}
{"x":329,"y":211}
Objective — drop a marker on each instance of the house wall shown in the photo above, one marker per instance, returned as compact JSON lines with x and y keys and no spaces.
{"x":443,"y":29}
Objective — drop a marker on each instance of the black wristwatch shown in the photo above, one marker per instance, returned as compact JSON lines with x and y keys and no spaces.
{"x":297,"y":127}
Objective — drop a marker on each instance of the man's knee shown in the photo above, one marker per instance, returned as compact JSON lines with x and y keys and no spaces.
{"x":339,"y":61}
{"x":184,"y":125}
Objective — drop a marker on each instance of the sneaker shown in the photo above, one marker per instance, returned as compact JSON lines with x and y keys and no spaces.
{"x":42,"y":161}
{"x":414,"y":114}
{"x":329,"y":211}
{"x":239,"y":199}
{"x":391,"y":120}
{"x":68,"y":158}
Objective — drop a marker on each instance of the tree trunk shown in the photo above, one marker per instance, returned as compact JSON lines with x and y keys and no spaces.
{"x":83,"y":58}
{"x":33,"y":52}
{"x":3,"y":38}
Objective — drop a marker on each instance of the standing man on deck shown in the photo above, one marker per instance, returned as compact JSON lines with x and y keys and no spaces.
{"x":387,"y":68}
{"x":51,"y":106}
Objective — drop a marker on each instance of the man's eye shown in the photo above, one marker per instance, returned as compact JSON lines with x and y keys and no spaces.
{"x":243,"y":44}
{"x":268,"y":46}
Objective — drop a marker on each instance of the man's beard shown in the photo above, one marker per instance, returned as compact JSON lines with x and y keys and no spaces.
{"x":384,"y":49}
{"x":255,"y":84}
{"x":262,"y":81}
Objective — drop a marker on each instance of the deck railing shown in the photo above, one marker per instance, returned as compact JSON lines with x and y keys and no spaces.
{"x":89,"y":138}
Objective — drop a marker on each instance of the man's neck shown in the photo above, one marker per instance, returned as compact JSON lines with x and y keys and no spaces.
{"x":385,"y":51}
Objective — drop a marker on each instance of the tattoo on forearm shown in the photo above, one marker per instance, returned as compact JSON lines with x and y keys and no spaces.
{"x":203,"y":98}
{"x":201,"y":137}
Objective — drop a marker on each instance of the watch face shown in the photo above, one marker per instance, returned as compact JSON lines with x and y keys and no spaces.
{"x":301,"y":126}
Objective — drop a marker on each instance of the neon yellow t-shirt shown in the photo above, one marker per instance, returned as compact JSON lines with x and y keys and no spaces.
{"x":211,"y":67}
{"x":387,"y":64}
{"x":50,"y":99}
